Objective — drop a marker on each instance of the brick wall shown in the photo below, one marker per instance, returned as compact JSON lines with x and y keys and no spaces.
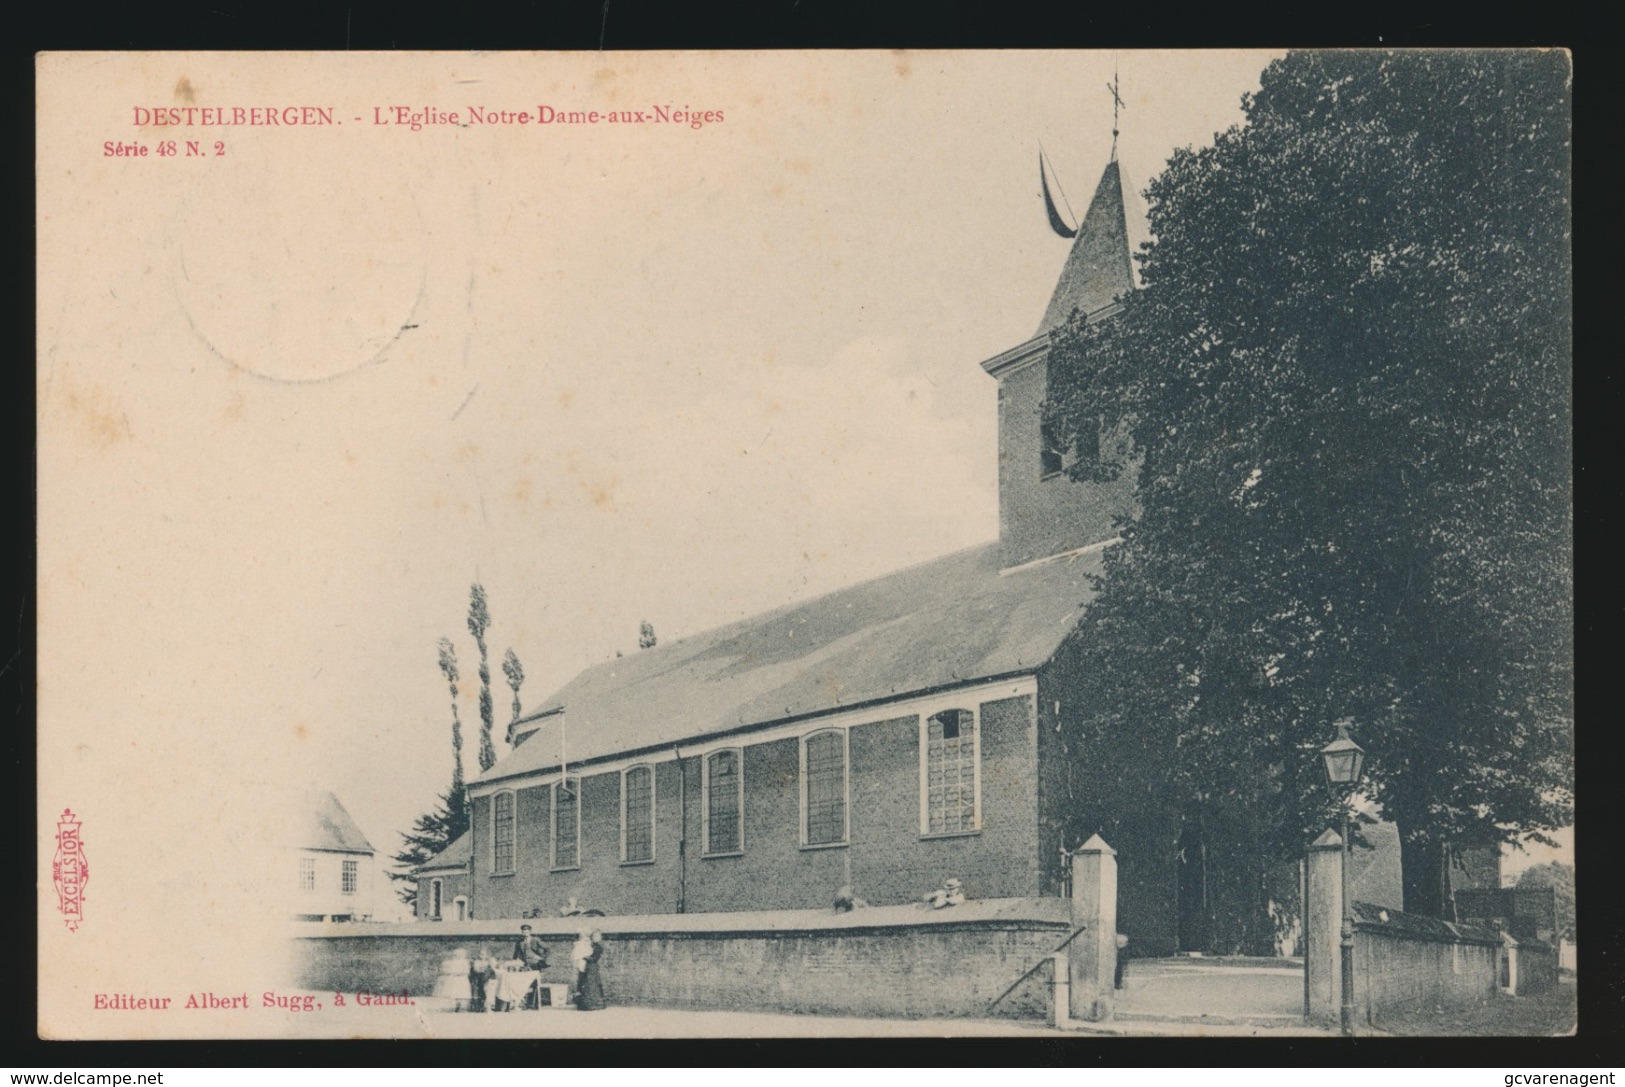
{"x":1057,"y":686}
{"x":1404,"y":962}
{"x":888,"y":860}
{"x":897,"y":962}
{"x":1536,"y":968}
{"x":773,"y":872}
{"x":923,"y":972}
{"x":452,"y":884}
{"x":390,"y":958}
{"x":1039,"y":516}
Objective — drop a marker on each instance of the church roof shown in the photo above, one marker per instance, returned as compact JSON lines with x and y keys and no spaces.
{"x":328,"y":826}
{"x":455,"y":855}
{"x":952,"y":620}
{"x":1098,"y":269}
{"x":1375,"y":875}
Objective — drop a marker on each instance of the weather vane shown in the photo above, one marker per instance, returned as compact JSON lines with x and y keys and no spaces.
{"x":1117,"y":103}
{"x":1058,"y":222}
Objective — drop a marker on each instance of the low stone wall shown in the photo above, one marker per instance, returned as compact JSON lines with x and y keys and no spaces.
{"x":1404,"y":963}
{"x":895,"y":961}
{"x":1535,"y":968}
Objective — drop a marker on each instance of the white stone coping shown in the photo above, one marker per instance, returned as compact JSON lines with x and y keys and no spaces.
{"x":991,"y":912}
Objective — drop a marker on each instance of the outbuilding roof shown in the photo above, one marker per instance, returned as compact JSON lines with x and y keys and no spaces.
{"x":949,"y":621}
{"x":454,"y":856}
{"x":329,"y":827}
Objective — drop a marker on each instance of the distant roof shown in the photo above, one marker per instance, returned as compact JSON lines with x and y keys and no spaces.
{"x":951,"y":620}
{"x":454,"y":855}
{"x":329,"y":826}
{"x":1097,"y":269}
{"x":1375,"y":875}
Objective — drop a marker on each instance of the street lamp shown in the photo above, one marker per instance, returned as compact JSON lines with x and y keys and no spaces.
{"x":1344,"y":759}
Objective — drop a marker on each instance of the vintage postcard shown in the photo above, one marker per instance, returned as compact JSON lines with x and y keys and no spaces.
{"x":846,"y":543}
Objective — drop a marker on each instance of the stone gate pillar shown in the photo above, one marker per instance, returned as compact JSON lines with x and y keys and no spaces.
{"x":1323,"y":929}
{"x":1092,"y":959}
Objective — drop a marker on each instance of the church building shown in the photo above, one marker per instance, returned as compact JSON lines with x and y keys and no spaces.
{"x":888,"y":736}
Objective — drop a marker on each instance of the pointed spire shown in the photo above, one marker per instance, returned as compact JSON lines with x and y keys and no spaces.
{"x":1098,"y":269}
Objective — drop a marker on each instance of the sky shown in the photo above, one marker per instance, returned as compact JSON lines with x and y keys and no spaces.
{"x":297,"y":397}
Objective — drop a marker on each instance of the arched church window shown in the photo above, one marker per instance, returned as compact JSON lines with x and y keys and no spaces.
{"x":502,"y":833}
{"x":724,"y":789}
{"x":567,"y":823}
{"x":824,"y":788}
{"x":637,"y":815}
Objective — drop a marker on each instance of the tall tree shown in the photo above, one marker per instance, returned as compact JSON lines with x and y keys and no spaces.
{"x":516,"y":677}
{"x":430,"y":834}
{"x":646,"y":635}
{"x":1344,"y":387}
{"x":479,"y":621}
{"x":448,"y":668}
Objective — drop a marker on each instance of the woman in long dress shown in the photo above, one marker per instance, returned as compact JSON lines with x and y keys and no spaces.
{"x":588,"y":950}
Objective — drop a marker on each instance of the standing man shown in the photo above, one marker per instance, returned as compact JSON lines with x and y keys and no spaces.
{"x":530,"y":950}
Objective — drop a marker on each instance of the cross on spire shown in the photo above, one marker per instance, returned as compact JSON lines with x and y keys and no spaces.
{"x":1117,"y":103}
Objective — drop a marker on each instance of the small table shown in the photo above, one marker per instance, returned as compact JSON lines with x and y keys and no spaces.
{"x":513,"y":986}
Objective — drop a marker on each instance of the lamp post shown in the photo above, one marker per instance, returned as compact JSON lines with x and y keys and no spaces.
{"x":1344,"y":759}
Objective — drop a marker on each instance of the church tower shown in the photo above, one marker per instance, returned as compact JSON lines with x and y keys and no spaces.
{"x":1042,"y":511}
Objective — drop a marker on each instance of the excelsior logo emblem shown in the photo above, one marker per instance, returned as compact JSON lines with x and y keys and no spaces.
{"x":69,"y":870}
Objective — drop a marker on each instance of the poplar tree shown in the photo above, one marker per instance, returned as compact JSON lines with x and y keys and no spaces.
{"x":448,"y":668}
{"x":516,"y":677}
{"x":479,"y":621}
